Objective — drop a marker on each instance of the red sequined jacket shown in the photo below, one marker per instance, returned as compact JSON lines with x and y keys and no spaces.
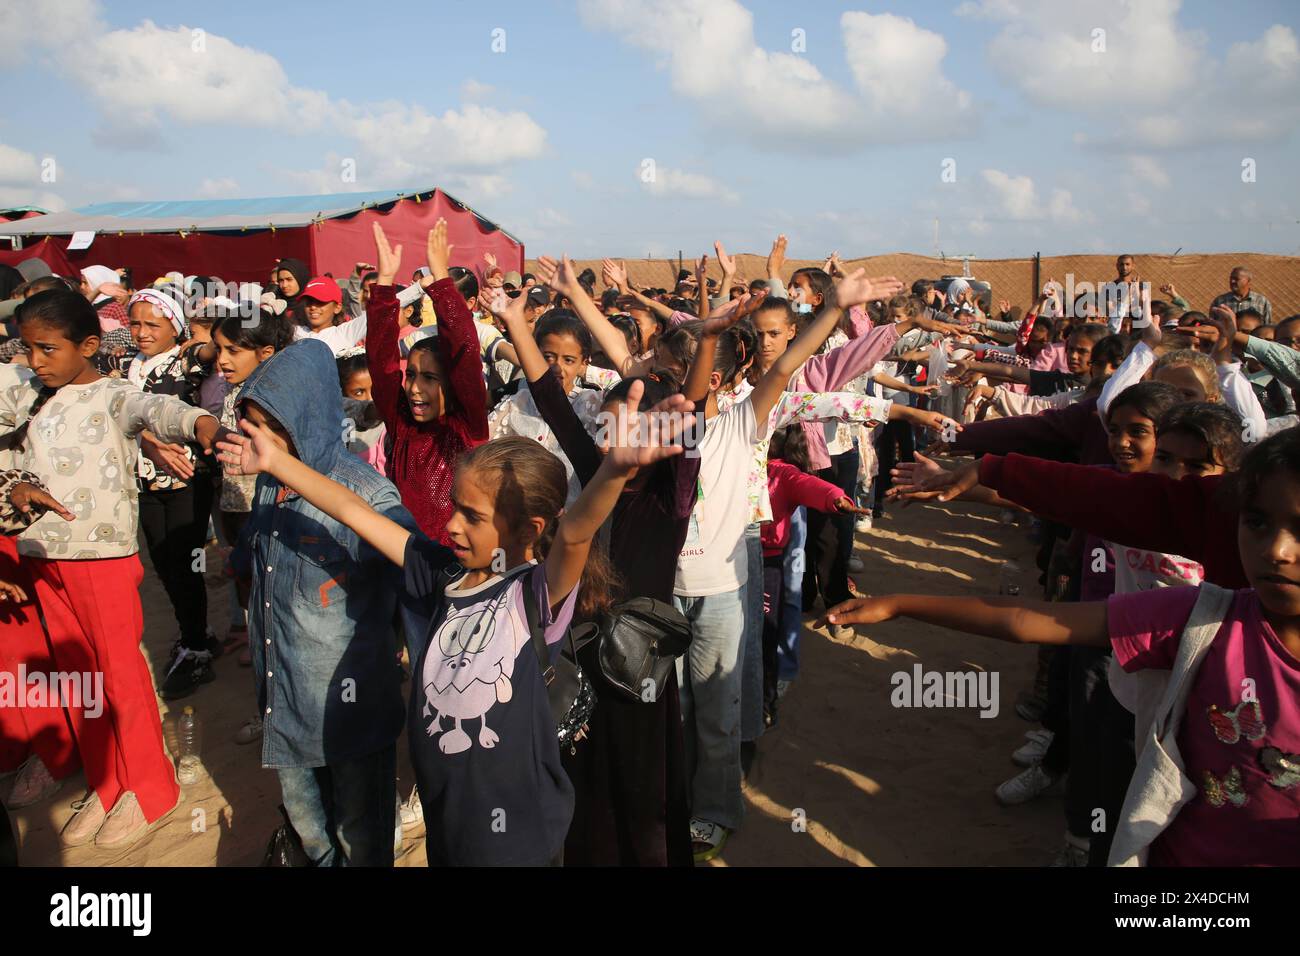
{"x":422,"y":459}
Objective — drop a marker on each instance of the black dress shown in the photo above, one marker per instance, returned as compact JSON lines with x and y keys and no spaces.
{"x":632,"y":804}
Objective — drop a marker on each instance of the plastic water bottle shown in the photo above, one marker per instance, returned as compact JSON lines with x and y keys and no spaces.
{"x":1009,"y":579}
{"x":190,"y":768}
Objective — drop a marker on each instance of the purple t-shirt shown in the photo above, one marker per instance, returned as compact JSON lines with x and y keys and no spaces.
{"x":1240,"y":737}
{"x":483,"y":741}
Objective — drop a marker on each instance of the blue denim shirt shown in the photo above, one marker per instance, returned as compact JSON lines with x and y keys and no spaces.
{"x":322,"y":605}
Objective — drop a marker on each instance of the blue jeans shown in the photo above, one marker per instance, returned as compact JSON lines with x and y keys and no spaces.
{"x":787,"y":648}
{"x":345,"y":813}
{"x":751,"y":693}
{"x":709,"y":675}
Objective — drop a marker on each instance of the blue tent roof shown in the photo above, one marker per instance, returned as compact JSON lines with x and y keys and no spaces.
{"x":259,"y":209}
{"x":213,"y":215}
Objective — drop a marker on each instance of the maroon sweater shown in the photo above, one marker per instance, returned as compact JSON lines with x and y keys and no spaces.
{"x":1073,"y":433}
{"x":422,"y":458}
{"x":1193,"y":517}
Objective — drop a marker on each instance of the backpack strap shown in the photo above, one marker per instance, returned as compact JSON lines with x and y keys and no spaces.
{"x":537,"y":633}
{"x":1203,"y":624}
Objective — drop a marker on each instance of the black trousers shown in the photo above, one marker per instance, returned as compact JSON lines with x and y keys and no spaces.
{"x":175,"y":527}
{"x":773,"y":585}
{"x":894,"y":444}
{"x":1101,"y":752}
{"x":830,"y":539}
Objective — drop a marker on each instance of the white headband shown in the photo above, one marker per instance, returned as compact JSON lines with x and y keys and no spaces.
{"x":163,"y":303}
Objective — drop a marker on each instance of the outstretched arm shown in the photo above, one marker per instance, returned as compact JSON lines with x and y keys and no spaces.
{"x":258,"y":453}
{"x":1006,"y":619}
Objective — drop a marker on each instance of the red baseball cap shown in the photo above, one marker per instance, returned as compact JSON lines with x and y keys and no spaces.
{"x":322,"y":290}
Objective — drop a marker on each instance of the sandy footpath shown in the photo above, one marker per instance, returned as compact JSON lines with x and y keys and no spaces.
{"x":845,"y":778}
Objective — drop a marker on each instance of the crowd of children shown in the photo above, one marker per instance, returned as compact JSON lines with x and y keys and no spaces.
{"x":427,"y":492}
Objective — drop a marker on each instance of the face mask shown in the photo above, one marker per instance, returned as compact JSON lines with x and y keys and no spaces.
{"x":802,"y":308}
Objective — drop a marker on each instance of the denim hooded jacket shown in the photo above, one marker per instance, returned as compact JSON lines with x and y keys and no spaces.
{"x":321,"y":610}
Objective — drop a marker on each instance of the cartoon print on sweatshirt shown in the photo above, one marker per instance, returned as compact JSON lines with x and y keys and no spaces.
{"x":469,"y":673}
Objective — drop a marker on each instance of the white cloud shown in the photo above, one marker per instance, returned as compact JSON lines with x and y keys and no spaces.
{"x":11,"y":198}
{"x":1016,"y":198}
{"x":18,"y":168}
{"x":1155,"y":85}
{"x":1014,"y":195}
{"x":681,"y":184}
{"x":474,"y":90}
{"x":220,"y":188}
{"x":1148,"y":170}
{"x":898,"y":68}
{"x":161,"y":77}
{"x":712,"y":58}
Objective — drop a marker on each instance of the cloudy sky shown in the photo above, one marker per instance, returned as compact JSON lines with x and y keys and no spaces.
{"x":640,"y":127}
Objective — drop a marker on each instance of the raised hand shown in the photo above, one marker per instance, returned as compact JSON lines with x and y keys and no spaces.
{"x":856,"y":289}
{"x":727,"y":262}
{"x":1169,"y":290}
{"x":438,"y":251}
{"x":27,"y":498}
{"x":389,"y":259}
{"x":615,"y":274}
{"x":731,"y":312}
{"x":490,"y":261}
{"x":776,"y":258}
{"x":249,"y":455}
{"x":867,"y":610}
{"x":702,"y":271}
{"x":633,"y":440}
{"x":1225,"y":320}
{"x":504,"y":307}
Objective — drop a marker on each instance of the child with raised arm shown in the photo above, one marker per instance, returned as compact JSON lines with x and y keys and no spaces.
{"x":438,"y":410}
{"x":630,"y":790}
{"x":1229,"y":721}
{"x":483,"y":740}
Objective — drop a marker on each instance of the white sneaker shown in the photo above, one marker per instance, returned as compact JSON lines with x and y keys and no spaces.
{"x":863,"y":523}
{"x":855,"y":564}
{"x":1028,"y":785}
{"x":411,"y":813}
{"x":1031,"y":752}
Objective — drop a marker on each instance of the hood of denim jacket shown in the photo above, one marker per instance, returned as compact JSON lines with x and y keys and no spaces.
{"x":299,"y":388}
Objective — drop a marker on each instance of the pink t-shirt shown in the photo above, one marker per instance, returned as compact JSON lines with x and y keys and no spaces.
{"x":1242,"y":755}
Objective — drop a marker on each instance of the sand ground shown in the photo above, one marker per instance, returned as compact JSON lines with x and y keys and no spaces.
{"x":844,"y":779}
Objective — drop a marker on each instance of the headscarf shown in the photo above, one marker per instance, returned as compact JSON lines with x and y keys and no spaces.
{"x":142,"y":366}
{"x":300,"y":272}
{"x":956,"y":290}
{"x":96,"y":276}
{"x":165,"y":304}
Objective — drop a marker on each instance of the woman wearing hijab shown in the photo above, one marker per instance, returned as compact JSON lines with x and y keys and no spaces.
{"x":111,"y":314}
{"x":290,"y":277}
{"x":176,"y":484}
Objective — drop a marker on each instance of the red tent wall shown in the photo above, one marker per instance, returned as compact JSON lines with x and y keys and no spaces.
{"x":338,"y":244}
{"x":334,"y":246}
{"x":51,"y":250}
